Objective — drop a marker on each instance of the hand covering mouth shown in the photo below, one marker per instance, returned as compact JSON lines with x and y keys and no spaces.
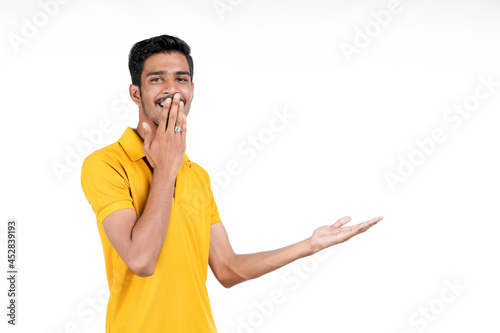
{"x":163,"y":99}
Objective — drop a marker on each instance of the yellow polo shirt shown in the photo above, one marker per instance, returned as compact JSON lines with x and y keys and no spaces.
{"x":175,"y":298}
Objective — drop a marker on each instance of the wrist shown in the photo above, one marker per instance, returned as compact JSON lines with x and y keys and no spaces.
{"x":164,"y":176}
{"x":307,"y":248}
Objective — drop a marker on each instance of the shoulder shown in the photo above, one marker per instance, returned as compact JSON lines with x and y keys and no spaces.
{"x":105,"y":159}
{"x":111,"y":153}
{"x":199,"y":170}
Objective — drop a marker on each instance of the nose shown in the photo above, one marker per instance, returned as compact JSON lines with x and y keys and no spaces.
{"x":170,"y":88}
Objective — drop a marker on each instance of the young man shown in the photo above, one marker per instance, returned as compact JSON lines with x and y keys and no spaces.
{"x":157,"y":219}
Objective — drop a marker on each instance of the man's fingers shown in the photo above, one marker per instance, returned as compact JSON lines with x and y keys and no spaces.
{"x":181,"y":119}
{"x":147,"y":143}
{"x":162,"y":125}
{"x":354,"y":230}
{"x":172,"y":117}
{"x":362,"y":227}
{"x":340,"y":222}
{"x":374,"y":220}
{"x":147,"y":138}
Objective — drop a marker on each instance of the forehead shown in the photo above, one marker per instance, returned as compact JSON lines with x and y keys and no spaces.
{"x":169,"y":62}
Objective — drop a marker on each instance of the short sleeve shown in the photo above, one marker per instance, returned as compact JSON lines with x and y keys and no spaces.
{"x":106,"y":189}
{"x":214,"y":212}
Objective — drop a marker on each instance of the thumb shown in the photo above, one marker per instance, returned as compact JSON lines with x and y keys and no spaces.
{"x":340,"y":222}
{"x":147,"y":138}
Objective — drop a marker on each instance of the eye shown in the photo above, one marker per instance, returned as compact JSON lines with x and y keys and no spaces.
{"x":156,"y":79}
{"x":183,"y":79}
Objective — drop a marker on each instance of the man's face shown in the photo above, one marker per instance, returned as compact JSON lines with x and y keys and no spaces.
{"x":164,"y":75}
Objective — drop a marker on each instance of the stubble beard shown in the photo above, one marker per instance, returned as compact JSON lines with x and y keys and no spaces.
{"x":155,"y":120}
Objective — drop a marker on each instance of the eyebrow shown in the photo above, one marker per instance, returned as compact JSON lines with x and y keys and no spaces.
{"x":163,"y":72}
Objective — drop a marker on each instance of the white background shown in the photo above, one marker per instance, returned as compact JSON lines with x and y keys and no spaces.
{"x":356,"y":117}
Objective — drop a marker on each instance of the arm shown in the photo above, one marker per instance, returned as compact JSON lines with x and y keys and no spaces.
{"x":139,"y":241}
{"x":230,"y":268}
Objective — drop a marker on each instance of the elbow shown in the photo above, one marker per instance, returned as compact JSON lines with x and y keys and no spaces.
{"x":223,"y":280}
{"x":229,"y":277}
{"x":226,"y":284}
{"x":142,"y":268}
{"x":140,"y":263}
{"x":231,"y":282}
{"x":144,"y":272}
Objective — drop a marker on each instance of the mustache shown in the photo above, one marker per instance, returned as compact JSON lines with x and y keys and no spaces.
{"x":163,"y":99}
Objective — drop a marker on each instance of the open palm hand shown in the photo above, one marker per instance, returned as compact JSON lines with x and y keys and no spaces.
{"x":336,"y":233}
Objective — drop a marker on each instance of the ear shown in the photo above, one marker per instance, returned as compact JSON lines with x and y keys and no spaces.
{"x":192,"y":91}
{"x":135,"y":94}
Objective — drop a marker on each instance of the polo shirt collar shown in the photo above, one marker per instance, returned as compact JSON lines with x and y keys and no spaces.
{"x":132,"y":145}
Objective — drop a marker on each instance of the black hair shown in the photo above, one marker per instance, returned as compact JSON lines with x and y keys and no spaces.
{"x":148,"y":47}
